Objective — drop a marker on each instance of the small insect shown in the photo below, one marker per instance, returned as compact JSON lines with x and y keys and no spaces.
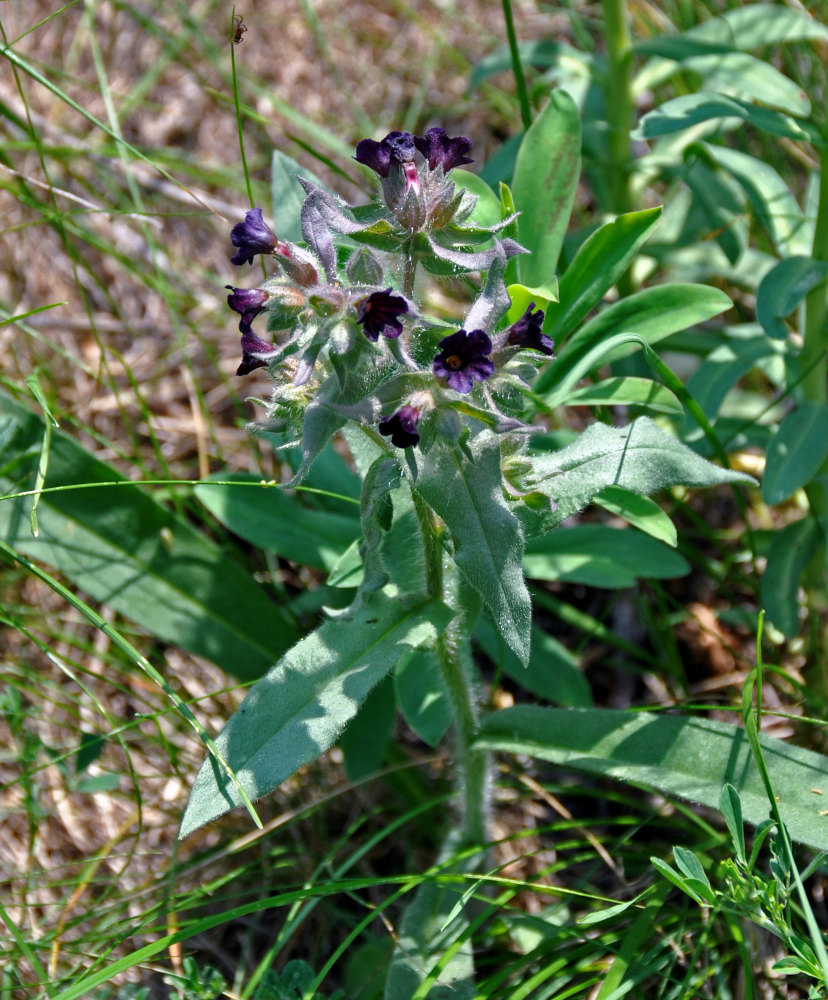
{"x":239,"y":28}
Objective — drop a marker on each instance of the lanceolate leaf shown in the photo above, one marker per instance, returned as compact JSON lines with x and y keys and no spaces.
{"x":682,"y":112}
{"x":129,"y":552}
{"x":688,"y":758}
{"x":272,"y":519}
{"x":641,"y":457}
{"x":487,"y":536}
{"x":599,"y":263}
{"x":790,"y":552}
{"x":297,"y":711}
{"x":546,"y":178}
{"x":653,"y":314}
{"x":783,"y":288}
{"x":796,"y":451}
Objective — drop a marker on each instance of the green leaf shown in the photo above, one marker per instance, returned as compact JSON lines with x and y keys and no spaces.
{"x":288,"y":196}
{"x":790,"y":552}
{"x":653,"y":314}
{"x":783,"y":288}
{"x":553,"y":672}
{"x":487,"y":537}
{"x":626,"y":391}
{"x":365,"y":739}
{"x":297,"y":711}
{"x":422,"y":695}
{"x":760,"y":24}
{"x":742,"y":75}
{"x":130,"y":553}
{"x":796,"y":451}
{"x":599,"y":556}
{"x":731,"y":807}
{"x":641,"y":458}
{"x":715,"y":199}
{"x":546,"y":177}
{"x":641,"y":512}
{"x":770,"y":197}
{"x":273,"y":520}
{"x":598,"y":264}
{"x":433,"y":955}
{"x":689,"y":758}
{"x":690,"y":109}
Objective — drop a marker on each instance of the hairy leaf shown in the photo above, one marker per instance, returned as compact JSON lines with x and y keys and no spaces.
{"x":488,"y":540}
{"x":688,"y":758}
{"x":297,"y":711}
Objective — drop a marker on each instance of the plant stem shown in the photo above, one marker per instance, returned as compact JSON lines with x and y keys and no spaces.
{"x":517,"y":66}
{"x":619,"y":101}
{"x":454,"y":658}
{"x":618,"y":96}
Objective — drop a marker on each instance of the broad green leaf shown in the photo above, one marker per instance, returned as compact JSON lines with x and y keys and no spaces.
{"x":546,"y":177}
{"x":288,"y":195}
{"x":759,"y":24}
{"x":796,"y":451}
{"x":626,"y":391}
{"x":689,"y":758}
{"x":641,"y":512}
{"x":273,"y":520}
{"x":690,"y":109}
{"x":422,"y":695}
{"x":599,"y":263}
{"x":641,"y":458}
{"x":783,"y":288}
{"x":770,"y":197}
{"x":792,"y":548}
{"x":600,"y":556}
{"x":487,"y":537}
{"x":130,"y":553}
{"x":522,"y":297}
{"x":653,"y":314}
{"x":553,"y":672}
{"x":742,"y":75}
{"x":598,"y":354}
{"x":299,"y":708}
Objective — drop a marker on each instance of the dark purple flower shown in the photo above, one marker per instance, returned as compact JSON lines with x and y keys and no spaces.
{"x":252,"y":345}
{"x":527,"y":332}
{"x":379,"y":313}
{"x":464,"y":359}
{"x":401,"y":427}
{"x":441,"y":151}
{"x":253,"y":236}
{"x":396,"y":147}
{"x":249,"y":302}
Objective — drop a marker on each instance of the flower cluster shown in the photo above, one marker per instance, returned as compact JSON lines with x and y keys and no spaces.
{"x":350,"y":334}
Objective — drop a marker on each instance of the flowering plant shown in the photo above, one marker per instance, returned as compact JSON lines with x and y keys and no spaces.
{"x":439,"y":419}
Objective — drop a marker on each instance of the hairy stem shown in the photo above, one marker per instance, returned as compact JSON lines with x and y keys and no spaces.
{"x":454,"y":657}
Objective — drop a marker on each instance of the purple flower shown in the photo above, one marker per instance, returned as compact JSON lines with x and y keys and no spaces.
{"x":249,"y":302}
{"x":253,"y":236}
{"x":527,"y":332}
{"x":464,"y":359}
{"x":396,"y":147}
{"x":401,"y":427}
{"x":379,"y":313}
{"x":251,"y":346}
{"x":441,"y":151}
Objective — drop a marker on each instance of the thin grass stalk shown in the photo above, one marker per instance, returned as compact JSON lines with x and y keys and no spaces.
{"x":517,"y":66}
